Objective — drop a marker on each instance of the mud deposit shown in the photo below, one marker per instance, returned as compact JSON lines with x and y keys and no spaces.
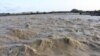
{"x":50,"y":35}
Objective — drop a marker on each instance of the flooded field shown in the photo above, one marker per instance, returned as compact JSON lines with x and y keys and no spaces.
{"x":50,"y":35}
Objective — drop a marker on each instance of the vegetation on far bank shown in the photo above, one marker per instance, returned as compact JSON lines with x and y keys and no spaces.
{"x":81,"y":12}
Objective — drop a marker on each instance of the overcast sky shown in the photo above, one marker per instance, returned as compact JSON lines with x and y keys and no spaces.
{"x":47,"y":5}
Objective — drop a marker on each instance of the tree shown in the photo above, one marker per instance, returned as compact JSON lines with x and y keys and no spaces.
{"x":74,"y":10}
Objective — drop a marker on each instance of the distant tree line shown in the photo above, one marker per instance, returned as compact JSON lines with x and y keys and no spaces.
{"x":93,"y":13}
{"x":81,"y":12}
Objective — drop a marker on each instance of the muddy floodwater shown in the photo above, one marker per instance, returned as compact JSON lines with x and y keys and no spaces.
{"x":50,"y":35}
